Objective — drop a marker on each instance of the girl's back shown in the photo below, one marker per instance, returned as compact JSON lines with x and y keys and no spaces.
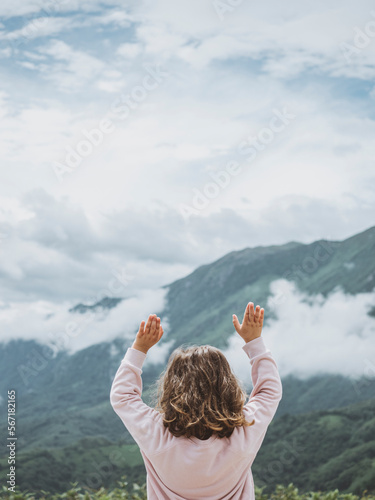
{"x":199,"y":397}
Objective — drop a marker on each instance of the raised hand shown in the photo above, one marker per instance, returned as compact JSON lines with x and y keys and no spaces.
{"x":148,"y":335}
{"x":252,"y":323}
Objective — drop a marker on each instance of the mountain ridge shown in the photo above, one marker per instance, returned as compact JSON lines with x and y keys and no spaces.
{"x":64,"y":398}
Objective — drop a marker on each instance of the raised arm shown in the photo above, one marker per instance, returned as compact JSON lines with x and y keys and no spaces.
{"x":143,"y":422}
{"x":267,"y":388}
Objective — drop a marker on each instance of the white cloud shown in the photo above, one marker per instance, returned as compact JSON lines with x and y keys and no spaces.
{"x":48,"y":240}
{"x":285,"y":41}
{"x":20,"y":8}
{"x":162,"y":142}
{"x":71,"y":68}
{"x":313,"y":334}
{"x":129,"y":50}
{"x":28,"y":65}
{"x":35,"y":134}
{"x":54,"y":325}
{"x":315,"y":179}
{"x":37,"y":27}
{"x":310,"y":335}
{"x":111,"y":86}
{"x":28,"y":7}
{"x":159,"y":353}
{"x":5,"y":53}
{"x":159,"y":41}
{"x":118,"y":17}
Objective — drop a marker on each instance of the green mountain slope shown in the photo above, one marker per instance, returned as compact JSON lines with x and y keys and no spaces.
{"x":92,"y":462}
{"x":320,"y":450}
{"x":64,"y":399}
{"x":200,"y":306}
{"x":75,"y":391}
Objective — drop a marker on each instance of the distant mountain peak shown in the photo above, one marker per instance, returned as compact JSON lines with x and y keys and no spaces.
{"x":105,"y":303}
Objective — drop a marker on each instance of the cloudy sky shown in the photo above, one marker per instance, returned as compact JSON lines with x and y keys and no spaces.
{"x":143,"y":139}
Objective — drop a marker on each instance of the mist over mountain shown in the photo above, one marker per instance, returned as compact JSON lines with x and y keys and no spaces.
{"x":319,"y":309}
{"x":319,"y":323}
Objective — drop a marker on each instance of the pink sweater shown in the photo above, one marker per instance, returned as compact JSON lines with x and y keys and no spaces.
{"x":180,"y":468}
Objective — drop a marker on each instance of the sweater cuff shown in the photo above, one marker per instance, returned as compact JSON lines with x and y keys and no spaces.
{"x":255,"y":347}
{"x":134,"y":357}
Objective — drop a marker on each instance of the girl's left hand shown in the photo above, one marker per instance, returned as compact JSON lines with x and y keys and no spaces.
{"x":149,"y":335}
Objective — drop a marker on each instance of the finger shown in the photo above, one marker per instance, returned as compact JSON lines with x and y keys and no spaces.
{"x":251,"y":311}
{"x":161,"y":331}
{"x":148,"y":326}
{"x":141,"y":330}
{"x":257,"y":314}
{"x":261,"y":316}
{"x":154,"y":317}
{"x":157,"y":326}
{"x":236,"y":323}
{"x":153,"y":326}
{"x":246,"y":314}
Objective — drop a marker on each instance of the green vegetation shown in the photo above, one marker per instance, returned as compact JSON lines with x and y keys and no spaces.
{"x":135,"y":492}
{"x":91,"y":462}
{"x":67,"y":427}
{"x":323,"y":449}
{"x":216,"y":290}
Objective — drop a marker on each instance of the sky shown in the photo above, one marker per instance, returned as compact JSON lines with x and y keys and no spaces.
{"x":143,"y":139}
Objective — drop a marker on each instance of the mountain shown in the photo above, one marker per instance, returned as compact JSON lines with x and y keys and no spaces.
{"x":65,"y":423}
{"x":75,"y":390}
{"x":200,"y":306}
{"x":105,"y":303}
{"x":320,"y":450}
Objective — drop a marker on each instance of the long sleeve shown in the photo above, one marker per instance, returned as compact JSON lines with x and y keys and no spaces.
{"x":267,"y":389}
{"x":143,"y":422}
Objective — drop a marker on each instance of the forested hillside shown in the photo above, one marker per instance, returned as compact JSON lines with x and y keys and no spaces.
{"x":69,"y":432}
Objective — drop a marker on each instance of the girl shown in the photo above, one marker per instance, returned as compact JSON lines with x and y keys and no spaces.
{"x":201,"y":439}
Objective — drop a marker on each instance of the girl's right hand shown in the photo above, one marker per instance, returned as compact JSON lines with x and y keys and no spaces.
{"x":252,"y":323}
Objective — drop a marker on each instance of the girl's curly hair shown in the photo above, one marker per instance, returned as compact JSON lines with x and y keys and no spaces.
{"x":199,"y":395}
